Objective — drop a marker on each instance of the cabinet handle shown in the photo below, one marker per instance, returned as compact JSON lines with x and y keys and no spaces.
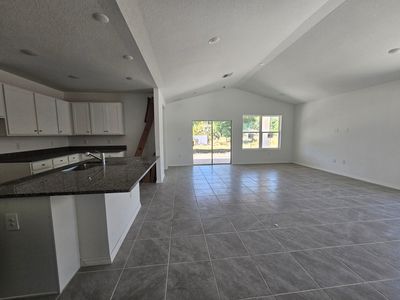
{"x":43,"y":165}
{"x":40,"y":130}
{"x":60,"y":131}
{"x":35,"y":130}
{"x":105,"y":130}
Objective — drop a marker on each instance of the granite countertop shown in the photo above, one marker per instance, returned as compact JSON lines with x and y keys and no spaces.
{"x":36,"y":155}
{"x":119,"y":175}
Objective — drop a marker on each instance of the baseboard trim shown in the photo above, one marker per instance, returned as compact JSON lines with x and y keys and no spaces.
{"x":348,"y":175}
{"x":87,"y":262}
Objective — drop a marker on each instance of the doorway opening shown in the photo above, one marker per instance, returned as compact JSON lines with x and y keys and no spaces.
{"x":212,"y":142}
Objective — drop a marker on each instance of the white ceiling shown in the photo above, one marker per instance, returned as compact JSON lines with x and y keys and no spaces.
{"x":311,"y":49}
{"x":347,"y":50}
{"x":69,"y":41}
{"x":179,"y":30}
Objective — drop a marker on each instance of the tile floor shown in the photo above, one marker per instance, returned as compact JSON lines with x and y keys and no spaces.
{"x":276,"y":232}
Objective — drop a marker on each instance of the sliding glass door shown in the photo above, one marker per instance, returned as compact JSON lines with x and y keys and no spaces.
{"x":212,"y":142}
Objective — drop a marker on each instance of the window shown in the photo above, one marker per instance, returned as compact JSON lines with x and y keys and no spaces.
{"x":261,"y":132}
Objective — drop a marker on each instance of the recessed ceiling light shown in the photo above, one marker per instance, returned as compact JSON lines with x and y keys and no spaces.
{"x":214,"y":40}
{"x":224,"y":87}
{"x":28,"y":52}
{"x":262,"y":64}
{"x":128,"y":57}
{"x":102,"y":18}
{"x":227,"y":75}
{"x":128,"y":78}
{"x":394,"y":50}
{"x":73,"y":77}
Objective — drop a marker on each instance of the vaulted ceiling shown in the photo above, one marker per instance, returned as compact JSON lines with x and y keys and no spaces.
{"x":294,"y":51}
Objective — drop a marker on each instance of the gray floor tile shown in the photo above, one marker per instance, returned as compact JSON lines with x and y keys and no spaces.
{"x":142,"y":283}
{"x":260,"y":242}
{"x":91,"y":285}
{"x":155,"y":229}
{"x":390,"y":289}
{"x":182,"y":227}
{"x":149,"y":252}
{"x":311,"y":295}
{"x":193,"y":281}
{"x":288,"y":219}
{"x":296,"y":238}
{"x":244,"y":222}
{"x":186,"y":213}
{"x":366,"y":265}
{"x":283,"y":274}
{"x":188,"y":248}
{"x":119,"y":260}
{"x":325,"y":269}
{"x":217,"y":225}
{"x":239,"y":278}
{"x":354,"y":292}
{"x":388,"y":250}
{"x":225,"y":245}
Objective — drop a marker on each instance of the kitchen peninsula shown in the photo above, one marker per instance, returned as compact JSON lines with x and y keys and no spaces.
{"x":70,"y":216}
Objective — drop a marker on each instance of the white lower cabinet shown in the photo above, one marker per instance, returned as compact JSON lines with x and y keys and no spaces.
{"x":41,"y":166}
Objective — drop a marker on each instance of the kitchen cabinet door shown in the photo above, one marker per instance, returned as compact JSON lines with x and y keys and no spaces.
{"x":114,"y":118}
{"x":46,"y":114}
{"x":20,"y":111}
{"x":81,"y":118}
{"x":64,"y":117}
{"x":98,"y":118}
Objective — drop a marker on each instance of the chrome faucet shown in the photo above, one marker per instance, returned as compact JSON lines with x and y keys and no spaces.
{"x":102,"y":157}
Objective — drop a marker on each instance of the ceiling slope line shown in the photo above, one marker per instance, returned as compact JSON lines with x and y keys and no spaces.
{"x":134,"y":20}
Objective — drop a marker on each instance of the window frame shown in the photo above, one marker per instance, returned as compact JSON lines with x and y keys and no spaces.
{"x":260,"y":132}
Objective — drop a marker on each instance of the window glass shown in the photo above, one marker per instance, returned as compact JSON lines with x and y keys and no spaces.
{"x":251,"y":123}
{"x":251,"y":140}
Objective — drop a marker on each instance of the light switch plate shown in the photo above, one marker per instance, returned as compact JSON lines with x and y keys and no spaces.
{"x":12,"y":222}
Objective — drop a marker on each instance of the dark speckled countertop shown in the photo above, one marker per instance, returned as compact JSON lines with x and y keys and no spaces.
{"x":36,"y":155}
{"x":119,"y":175}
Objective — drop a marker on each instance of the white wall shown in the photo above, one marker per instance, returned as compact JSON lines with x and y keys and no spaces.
{"x":134,"y":113}
{"x":15,"y":144}
{"x":159,"y":104}
{"x":225,"y":104}
{"x":355,"y":134}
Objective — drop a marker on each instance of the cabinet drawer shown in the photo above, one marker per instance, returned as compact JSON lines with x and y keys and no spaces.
{"x":60,"y":161}
{"x":73,"y":158}
{"x":41,"y":166}
{"x":115,"y":154}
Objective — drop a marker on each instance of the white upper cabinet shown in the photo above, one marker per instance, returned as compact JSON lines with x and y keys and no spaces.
{"x":64,"y":116}
{"x":81,"y":118}
{"x":97,"y":118}
{"x":107,"y":118}
{"x":2,"y":107}
{"x":20,"y":110}
{"x":114,"y":118}
{"x":46,"y":114}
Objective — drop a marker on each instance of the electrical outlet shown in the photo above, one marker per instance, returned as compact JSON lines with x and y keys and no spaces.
{"x":52,"y":143}
{"x":334,"y":160}
{"x":12,"y":222}
{"x":343,"y":162}
{"x":18,"y":146}
{"x":109,"y":141}
{"x":85,"y":141}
